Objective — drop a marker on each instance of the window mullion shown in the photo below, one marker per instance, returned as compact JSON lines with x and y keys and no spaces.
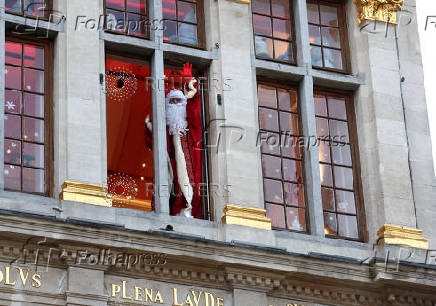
{"x":155,"y":22}
{"x":302,"y":33}
{"x":2,"y":91}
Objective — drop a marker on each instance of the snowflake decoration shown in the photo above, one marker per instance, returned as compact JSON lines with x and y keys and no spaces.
{"x":10,"y":105}
{"x":121,"y":84}
{"x":120,"y":185}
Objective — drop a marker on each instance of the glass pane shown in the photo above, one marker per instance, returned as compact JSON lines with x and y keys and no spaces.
{"x":35,"y":8}
{"x":337,"y":108}
{"x":343,"y":177}
{"x":34,"y":105}
{"x":291,"y":146}
{"x":115,"y":4}
{"x":273,"y":191}
{"x":261,"y":7}
{"x":188,"y":34}
{"x":330,"y":224}
{"x":12,"y":53}
{"x":33,"y":57}
{"x":341,"y":154}
{"x":12,"y":126}
{"x":292,"y":170}
{"x":267,"y":96}
{"x":136,"y":6}
{"x":316,"y":56}
{"x":270,"y":142}
{"x":346,"y":202}
{"x":33,"y":180}
{"x":280,"y":8}
{"x":328,"y":199}
{"x":277,"y":215}
{"x":314,"y":35}
{"x":320,"y":105}
{"x":312,"y":13}
{"x":187,"y":12}
{"x":348,"y":226}
{"x":326,"y":175}
{"x":283,"y":51}
{"x":262,"y":25}
{"x":330,"y":37}
{"x":324,"y":151}
{"x":322,"y":129}
{"x":271,"y":167}
{"x":33,"y":80}
{"x":268,"y":119}
{"x":115,"y":21}
{"x":296,"y":219}
{"x":13,"y":6}
{"x":137,"y":24}
{"x":282,"y":29}
{"x":288,"y":100}
{"x":339,"y":130}
{"x":333,"y":58}
{"x":12,"y":177}
{"x":329,"y":15}
{"x":33,"y":155}
{"x":33,"y":130}
{"x":289,"y":123}
{"x":294,"y":194}
{"x":169,"y":9}
{"x":264,"y":47}
{"x":170,"y":31}
{"x":13,"y":77}
{"x":12,"y":152}
{"x":12,"y":101}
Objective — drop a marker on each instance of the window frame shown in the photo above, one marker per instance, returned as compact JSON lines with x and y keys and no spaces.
{"x":46,"y":17}
{"x":48,"y":112}
{"x":343,"y":34}
{"x":293,"y":34}
{"x":283,"y":84}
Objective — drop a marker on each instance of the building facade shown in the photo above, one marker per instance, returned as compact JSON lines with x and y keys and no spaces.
{"x":313,"y":170}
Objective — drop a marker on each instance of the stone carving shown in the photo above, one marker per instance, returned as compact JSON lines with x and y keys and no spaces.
{"x":378,"y":10}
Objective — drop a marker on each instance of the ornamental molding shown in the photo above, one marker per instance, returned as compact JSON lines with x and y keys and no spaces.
{"x":252,"y":217}
{"x":378,"y":10}
{"x":401,"y":235}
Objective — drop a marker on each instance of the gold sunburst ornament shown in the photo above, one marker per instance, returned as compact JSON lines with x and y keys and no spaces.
{"x":378,"y":10}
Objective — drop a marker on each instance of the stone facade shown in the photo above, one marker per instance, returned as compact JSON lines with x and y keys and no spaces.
{"x":59,"y":252}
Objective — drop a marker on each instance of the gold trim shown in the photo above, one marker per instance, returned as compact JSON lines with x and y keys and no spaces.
{"x":401,"y":235}
{"x":243,"y":1}
{"x":85,"y":193}
{"x":378,"y":10}
{"x":245,"y":216}
{"x":132,"y":203}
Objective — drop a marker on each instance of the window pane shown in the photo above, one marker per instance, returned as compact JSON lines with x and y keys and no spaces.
{"x":346,"y":202}
{"x":280,"y":8}
{"x":316,"y":55}
{"x":33,"y":130}
{"x":169,"y":9}
{"x":13,"y":6}
{"x":322,"y":129}
{"x":136,"y":6}
{"x":12,"y":53}
{"x":170,"y":31}
{"x":33,"y":57}
{"x":34,"y":80}
{"x":262,"y":25}
{"x":328,"y":199}
{"x":337,"y":108}
{"x":33,"y":180}
{"x":277,"y":215}
{"x":271,"y":166}
{"x":270,"y":143}
{"x":314,"y":34}
{"x":34,"y":7}
{"x":320,"y":105}
{"x":33,"y":155}
{"x":296,"y":219}
{"x":341,"y":154}
{"x":137,"y":24}
{"x":12,"y":126}
{"x":312,"y":13}
{"x":267,"y":96}
{"x":330,"y":224}
{"x":348,"y":226}
{"x":339,"y":129}
{"x":12,"y":177}
{"x":343,"y":177}
{"x":187,"y":12}
{"x":333,"y":58}
{"x":330,"y":37}
{"x":289,"y":123}
{"x":329,"y":15}
{"x":261,"y":7}
{"x":291,"y":147}
{"x":115,"y":4}
{"x":282,"y":29}
{"x":115,"y":21}
{"x":283,"y":51}
{"x":273,"y":191}
{"x":326,"y":175}
{"x":33,"y":105}
{"x":264,"y":47}
{"x":324,"y":151}
{"x":292,"y":170}
{"x":12,"y":101}
{"x":288,"y":100}
{"x":294,"y":194}
{"x":268,"y":119}
{"x":13,"y":77}
{"x":12,"y":152}
{"x":188,"y":34}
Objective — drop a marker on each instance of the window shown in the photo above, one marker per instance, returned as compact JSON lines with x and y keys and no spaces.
{"x":273,"y":38}
{"x":27,"y":147}
{"x":183,"y":22}
{"x":127,"y":17}
{"x":338,"y":165}
{"x":37,"y":8}
{"x":282,"y":163}
{"x":328,"y":35}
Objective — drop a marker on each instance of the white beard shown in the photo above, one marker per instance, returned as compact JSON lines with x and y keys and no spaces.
{"x":176,"y":118}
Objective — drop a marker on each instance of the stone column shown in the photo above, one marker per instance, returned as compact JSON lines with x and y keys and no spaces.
{"x":85,"y":287}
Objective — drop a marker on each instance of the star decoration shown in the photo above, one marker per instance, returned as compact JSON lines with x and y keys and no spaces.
{"x":10,"y":105}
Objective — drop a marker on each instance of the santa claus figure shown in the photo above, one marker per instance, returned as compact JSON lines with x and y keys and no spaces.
{"x":184,"y":145}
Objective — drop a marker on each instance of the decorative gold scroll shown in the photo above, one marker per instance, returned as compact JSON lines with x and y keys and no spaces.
{"x":378,"y":10}
{"x":244,"y":216}
{"x":401,"y":235}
